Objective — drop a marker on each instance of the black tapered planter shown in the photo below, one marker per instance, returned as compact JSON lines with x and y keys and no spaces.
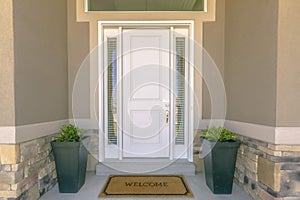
{"x":219,"y":165}
{"x":70,"y":160}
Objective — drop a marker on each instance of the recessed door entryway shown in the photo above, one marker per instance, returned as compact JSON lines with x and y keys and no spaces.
{"x":146,"y":90}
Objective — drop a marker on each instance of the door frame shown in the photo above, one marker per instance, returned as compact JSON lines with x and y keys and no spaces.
{"x":189,"y":103}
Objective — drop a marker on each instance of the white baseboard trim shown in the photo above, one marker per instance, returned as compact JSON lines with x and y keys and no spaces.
{"x":255,"y":131}
{"x":273,"y":135}
{"x":18,"y":134}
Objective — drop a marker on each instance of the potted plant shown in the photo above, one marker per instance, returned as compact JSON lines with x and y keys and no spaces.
{"x":70,"y":157}
{"x":219,"y":147}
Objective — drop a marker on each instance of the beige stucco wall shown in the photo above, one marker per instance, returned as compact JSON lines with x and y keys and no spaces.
{"x":41,"y":80}
{"x":288,"y":69}
{"x":250,"y":60}
{"x":78,"y":49}
{"x":213,"y":43}
{"x":7,"y":108}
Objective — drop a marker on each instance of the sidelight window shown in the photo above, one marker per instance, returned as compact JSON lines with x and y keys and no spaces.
{"x":112,"y":90}
{"x":180,"y":90}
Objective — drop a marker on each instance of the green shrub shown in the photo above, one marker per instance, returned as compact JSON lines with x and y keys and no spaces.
{"x":69,"y":133}
{"x":218,"y":134}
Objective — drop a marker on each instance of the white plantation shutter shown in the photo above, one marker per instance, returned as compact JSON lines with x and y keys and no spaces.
{"x":180,"y":90}
{"x":111,"y":89}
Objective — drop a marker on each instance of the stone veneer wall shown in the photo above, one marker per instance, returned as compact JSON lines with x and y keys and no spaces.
{"x":268,"y":171}
{"x":265,"y":171}
{"x":27,"y":170}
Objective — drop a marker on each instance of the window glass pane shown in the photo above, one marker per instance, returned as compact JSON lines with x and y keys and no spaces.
{"x":111,"y":90}
{"x":146,"y":5}
{"x":180,"y":90}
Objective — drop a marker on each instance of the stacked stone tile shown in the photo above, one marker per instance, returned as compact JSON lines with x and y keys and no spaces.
{"x":27,"y":170}
{"x":268,"y":171}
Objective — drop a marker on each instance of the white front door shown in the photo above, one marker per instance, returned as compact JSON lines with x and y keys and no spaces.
{"x":146,"y":96}
{"x":146,"y":92}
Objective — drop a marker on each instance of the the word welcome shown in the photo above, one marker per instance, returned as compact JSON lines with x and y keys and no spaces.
{"x":146,"y":184}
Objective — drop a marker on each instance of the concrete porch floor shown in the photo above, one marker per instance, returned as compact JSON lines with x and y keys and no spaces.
{"x":94,"y":184}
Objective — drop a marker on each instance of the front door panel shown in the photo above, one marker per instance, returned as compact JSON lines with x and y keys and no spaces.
{"x":146,"y":93}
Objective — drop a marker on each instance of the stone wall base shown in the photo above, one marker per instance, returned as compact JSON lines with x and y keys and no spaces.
{"x":27,"y":170}
{"x":265,"y":171}
{"x":268,"y":171}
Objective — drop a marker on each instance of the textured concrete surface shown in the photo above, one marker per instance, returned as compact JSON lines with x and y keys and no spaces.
{"x":94,"y":184}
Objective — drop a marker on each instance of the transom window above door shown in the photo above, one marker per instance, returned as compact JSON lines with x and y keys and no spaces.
{"x":146,"y":5}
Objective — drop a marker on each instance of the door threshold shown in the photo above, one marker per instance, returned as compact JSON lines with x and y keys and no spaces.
{"x":143,"y":160}
{"x":146,"y":166}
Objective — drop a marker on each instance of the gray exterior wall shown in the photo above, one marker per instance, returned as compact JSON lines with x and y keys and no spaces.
{"x":251,"y":60}
{"x":78,"y":50}
{"x":40,"y":43}
{"x":288,"y":69}
{"x":214,"y":45}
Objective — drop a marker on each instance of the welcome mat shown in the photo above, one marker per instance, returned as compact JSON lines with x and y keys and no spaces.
{"x":141,"y":186}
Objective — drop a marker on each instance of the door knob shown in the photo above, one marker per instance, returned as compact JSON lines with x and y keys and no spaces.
{"x":167,"y":117}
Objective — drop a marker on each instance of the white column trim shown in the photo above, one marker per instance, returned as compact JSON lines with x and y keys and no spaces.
{"x":18,"y":134}
{"x":7,"y":134}
{"x":270,"y":134}
{"x":287,"y":135}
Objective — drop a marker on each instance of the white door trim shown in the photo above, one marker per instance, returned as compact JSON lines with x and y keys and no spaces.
{"x":190,"y":91}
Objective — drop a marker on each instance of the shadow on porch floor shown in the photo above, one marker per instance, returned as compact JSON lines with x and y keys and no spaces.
{"x":94,"y":184}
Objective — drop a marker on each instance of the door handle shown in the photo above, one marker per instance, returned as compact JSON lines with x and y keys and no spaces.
{"x":167,"y":117}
